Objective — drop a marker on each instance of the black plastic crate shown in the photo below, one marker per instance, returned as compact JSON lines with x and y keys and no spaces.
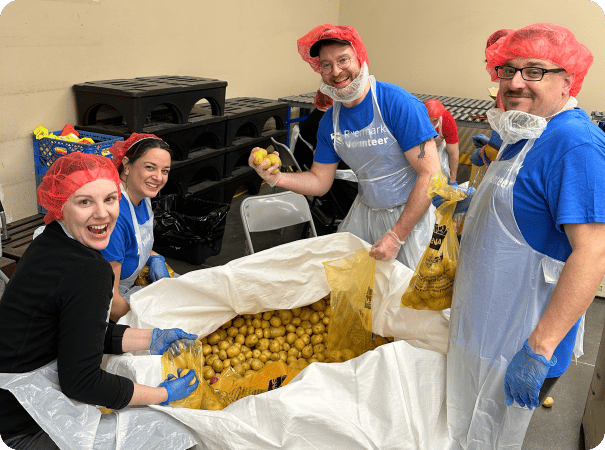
{"x":242,"y":179}
{"x":210,"y":190}
{"x":250,"y":116}
{"x":134,"y":99}
{"x":202,"y":131}
{"x":202,"y":165}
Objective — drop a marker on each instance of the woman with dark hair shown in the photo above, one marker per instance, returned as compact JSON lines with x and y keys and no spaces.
{"x":55,"y":306}
{"x":143,"y":162}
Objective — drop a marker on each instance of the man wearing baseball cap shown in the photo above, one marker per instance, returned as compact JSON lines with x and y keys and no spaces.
{"x":383,"y":133}
{"x":532,"y":252}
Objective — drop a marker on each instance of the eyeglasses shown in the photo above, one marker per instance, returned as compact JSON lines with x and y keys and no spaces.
{"x":527,"y":73}
{"x":342,"y":63}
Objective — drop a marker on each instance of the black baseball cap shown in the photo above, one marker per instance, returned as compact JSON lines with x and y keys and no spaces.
{"x":314,"y":50}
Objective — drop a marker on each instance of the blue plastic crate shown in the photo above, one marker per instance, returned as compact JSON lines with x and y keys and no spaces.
{"x":48,"y":150}
{"x":41,"y":210}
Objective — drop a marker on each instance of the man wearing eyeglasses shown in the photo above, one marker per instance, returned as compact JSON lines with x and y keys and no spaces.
{"x":532,"y":252}
{"x":383,"y":133}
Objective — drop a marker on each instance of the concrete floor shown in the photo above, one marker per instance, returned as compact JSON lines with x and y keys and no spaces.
{"x":550,"y":428}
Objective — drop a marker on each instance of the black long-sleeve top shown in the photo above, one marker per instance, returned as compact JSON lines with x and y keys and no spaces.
{"x":56,"y":306}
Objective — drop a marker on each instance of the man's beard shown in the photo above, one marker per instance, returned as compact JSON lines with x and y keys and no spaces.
{"x":350,"y":93}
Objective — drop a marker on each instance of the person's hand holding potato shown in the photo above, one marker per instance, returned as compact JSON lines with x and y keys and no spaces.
{"x":266,"y":165}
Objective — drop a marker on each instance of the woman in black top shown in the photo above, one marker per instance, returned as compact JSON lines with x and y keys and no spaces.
{"x":56,"y":304}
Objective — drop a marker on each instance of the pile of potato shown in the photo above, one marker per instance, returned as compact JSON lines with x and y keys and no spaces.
{"x":246,"y":344}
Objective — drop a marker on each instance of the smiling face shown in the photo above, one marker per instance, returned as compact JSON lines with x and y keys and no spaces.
{"x":147,"y":175}
{"x":542,"y":98}
{"x":332,"y":53}
{"x":90,"y":213}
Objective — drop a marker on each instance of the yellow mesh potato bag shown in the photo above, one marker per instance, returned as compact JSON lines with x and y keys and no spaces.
{"x":273,"y":375}
{"x":351,"y":281}
{"x":191,"y":357}
{"x":433,"y":280}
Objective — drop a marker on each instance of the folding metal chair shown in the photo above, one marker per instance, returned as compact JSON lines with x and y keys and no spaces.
{"x":287,"y":157}
{"x":274,"y":212}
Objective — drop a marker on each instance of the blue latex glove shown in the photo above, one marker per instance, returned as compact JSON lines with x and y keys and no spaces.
{"x":525,"y":375}
{"x":480,"y":140}
{"x":161,"y":339}
{"x":463,"y":204}
{"x":175,"y":348}
{"x":181,"y":387}
{"x":157,"y":267}
{"x":476,"y":158}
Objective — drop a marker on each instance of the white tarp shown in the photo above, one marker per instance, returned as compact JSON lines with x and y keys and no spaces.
{"x":389,"y":398}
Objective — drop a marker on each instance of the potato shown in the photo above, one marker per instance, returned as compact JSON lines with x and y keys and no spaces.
{"x":285,"y":315}
{"x":259,"y":155}
{"x":348,"y":354}
{"x":233,"y":351}
{"x":317,"y":339}
{"x":214,"y":338}
{"x":217,"y":365}
{"x":274,"y":159}
{"x":307,"y":351}
{"x":208,"y":372}
{"x":299,"y":344}
{"x":274,"y":346}
{"x":232,"y":331}
{"x":319,"y":305}
{"x":251,"y":340}
{"x":256,"y":364}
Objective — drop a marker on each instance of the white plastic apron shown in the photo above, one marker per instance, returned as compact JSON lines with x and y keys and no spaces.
{"x":492,"y":317}
{"x":144,"y":237}
{"x":444,"y":158}
{"x":373,"y":153}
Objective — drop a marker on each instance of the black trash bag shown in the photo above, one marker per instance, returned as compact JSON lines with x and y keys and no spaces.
{"x":185,"y":221}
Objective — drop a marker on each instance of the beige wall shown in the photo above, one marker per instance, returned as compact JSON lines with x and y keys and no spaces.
{"x":437,"y":47}
{"x":46,"y":46}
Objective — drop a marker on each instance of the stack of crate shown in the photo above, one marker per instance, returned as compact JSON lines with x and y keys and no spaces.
{"x":211,"y":136}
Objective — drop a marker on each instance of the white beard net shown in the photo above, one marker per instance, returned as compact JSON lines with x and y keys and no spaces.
{"x":351,"y":92}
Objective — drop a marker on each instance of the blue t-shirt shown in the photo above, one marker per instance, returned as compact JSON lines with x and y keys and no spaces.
{"x":559,"y":183}
{"x":405,"y":116}
{"x":123,"y":242}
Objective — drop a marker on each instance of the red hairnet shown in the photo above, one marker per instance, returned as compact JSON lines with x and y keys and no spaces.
{"x":328,"y":31}
{"x":119,"y":148}
{"x":547,"y":41}
{"x":435,"y":107}
{"x":491,"y":41}
{"x":68,"y":174}
{"x":322,"y":101}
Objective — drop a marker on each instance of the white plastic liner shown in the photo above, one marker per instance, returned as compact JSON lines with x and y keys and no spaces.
{"x":390,"y":398}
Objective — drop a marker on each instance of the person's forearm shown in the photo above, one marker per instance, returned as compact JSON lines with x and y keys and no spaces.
{"x":417,"y":204}
{"x":119,"y":307}
{"x":453,"y":156}
{"x":147,"y":395}
{"x":136,"y":339}
{"x":575,"y":291}
{"x":305,"y":183}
